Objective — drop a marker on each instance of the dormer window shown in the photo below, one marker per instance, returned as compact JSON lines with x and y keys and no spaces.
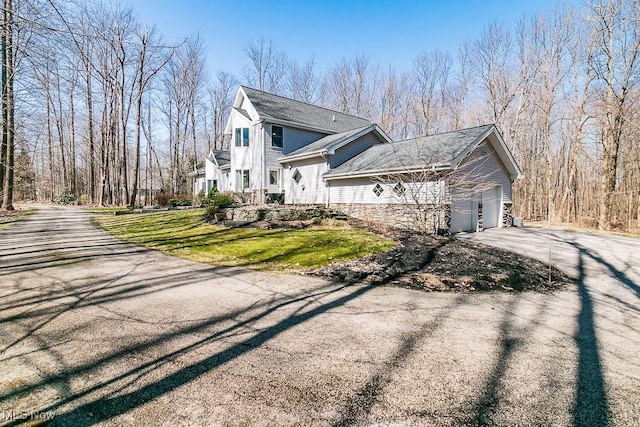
{"x":276,"y":136}
{"x":242,"y":137}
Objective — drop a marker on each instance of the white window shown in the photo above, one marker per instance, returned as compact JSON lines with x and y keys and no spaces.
{"x":276,"y":136}
{"x":378,"y":190}
{"x":399,"y":189}
{"x":274,"y":177}
{"x":242,"y":137}
{"x":242,"y":179}
{"x":297,"y":176}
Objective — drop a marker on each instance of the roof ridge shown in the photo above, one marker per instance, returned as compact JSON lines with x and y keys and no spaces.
{"x":444,"y":133}
{"x":306,"y":103}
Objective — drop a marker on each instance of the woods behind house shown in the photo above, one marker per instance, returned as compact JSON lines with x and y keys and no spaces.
{"x":100,"y":108}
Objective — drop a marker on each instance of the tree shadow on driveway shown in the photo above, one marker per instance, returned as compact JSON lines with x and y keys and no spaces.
{"x":591,"y":406}
{"x":102,"y":409}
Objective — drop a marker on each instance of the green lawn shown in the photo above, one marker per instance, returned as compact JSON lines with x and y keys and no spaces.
{"x":107,"y":210}
{"x":184,"y":234}
{"x":7,"y":218}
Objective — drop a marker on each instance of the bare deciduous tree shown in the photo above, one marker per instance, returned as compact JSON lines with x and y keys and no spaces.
{"x":220,"y":100}
{"x":616,"y":64}
{"x":8,"y":108}
{"x":268,"y":66}
{"x":302,"y":81}
{"x":431,"y":71}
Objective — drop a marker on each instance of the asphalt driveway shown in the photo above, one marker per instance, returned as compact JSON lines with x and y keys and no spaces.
{"x":96,"y":331}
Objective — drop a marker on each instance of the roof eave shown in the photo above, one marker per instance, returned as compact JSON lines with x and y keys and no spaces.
{"x":302,"y":156}
{"x":391,"y":171}
{"x":263,"y":119}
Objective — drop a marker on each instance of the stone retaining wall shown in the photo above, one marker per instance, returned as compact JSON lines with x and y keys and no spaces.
{"x":249,"y":214}
{"x":394,"y":215}
{"x":400,"y":215}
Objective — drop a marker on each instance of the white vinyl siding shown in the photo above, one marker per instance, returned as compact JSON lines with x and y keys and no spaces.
{"x":199,"y":184}
{"x":361,"y":190}
{"x":294,"y":139}
{"x":484,"y":168}
{"x":218,"y":177}
{"x":311,"y":189}
{"x":250,"y":157}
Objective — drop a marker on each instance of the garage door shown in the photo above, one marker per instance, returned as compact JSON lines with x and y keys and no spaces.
{"x":463,"y":215}
{"x":491,"y":203}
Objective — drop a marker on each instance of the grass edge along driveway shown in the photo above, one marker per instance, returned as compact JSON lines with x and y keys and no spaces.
{"x":184,"y":234}
{"x":8,"y":218}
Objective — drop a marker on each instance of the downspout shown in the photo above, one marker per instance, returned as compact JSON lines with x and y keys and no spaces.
{"x":263,"y":152}
{"x":327,"y":184}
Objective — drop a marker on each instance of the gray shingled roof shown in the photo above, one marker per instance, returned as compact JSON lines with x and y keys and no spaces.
{"x":431,"y":150}
{"x":243,"y":112}
{"x":223,"y":157}
{"x":197,"y":172}
{"x":278,"y":108}
{"x":329,"y":142}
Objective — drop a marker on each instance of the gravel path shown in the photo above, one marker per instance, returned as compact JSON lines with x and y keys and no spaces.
{"x":96,"y":331}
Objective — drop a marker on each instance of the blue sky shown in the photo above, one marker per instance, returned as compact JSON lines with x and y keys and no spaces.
{"x":388,"y":32}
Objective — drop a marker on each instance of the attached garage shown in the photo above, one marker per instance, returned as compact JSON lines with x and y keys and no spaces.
{"x":471,"y":170}
{"x":464,"y":215}
{"x":491,"y":207}
{"x":466,"y":211}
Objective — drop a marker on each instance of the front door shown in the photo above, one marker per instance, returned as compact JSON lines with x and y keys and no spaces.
{"x":275,"y":176}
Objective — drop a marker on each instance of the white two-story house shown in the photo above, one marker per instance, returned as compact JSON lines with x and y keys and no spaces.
{"x":265,"y":127}
{"x":298,"y":153}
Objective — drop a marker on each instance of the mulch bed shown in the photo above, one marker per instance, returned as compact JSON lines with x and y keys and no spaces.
{"x":437,"y":263}
{"x":434,"y":263}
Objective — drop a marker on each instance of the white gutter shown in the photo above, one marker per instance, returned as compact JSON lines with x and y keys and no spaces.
{"x":385,"y":172}
{"x":296,"y":125}
{"x":303,"y":156}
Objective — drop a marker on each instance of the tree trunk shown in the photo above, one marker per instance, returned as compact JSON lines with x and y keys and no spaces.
{"x":91,"y":141}
{"x":608,"y":174}
{"x":8,"y":106}
{"x":72,"y":149}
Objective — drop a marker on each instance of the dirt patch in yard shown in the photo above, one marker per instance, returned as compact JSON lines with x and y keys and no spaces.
{"x":436,"y":263}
